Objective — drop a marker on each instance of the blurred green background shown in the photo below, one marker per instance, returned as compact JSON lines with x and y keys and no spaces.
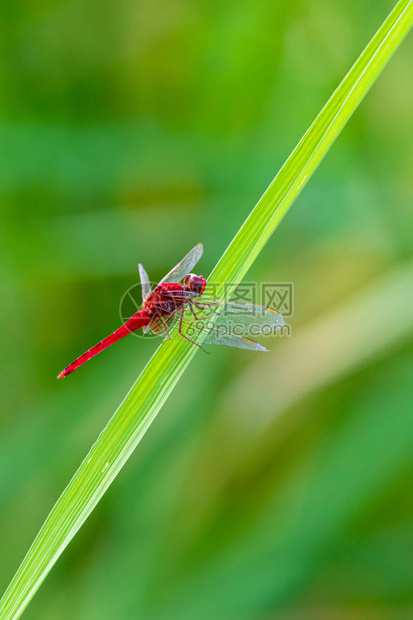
{"x":276,"y":487}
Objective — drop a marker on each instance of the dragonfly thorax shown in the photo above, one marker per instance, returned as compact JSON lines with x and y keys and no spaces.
{"x":164,"y":300}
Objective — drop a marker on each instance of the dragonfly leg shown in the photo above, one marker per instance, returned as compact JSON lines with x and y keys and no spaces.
{"x":164,"y":325}
{"x":186,"y":337}
{"x":203,"y":305}
{"x":204,"y":317}
{"x":193,"y":311}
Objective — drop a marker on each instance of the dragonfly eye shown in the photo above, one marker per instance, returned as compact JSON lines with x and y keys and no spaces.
{"x":194,"y":283}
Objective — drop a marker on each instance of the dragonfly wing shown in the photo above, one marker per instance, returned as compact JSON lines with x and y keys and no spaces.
{"x":146,"y":286}
{"x":178,"y":273}
{"x":218,"y":336}
{"x":247,"y":319}
{"x":236,"y":317}
{"x":207,"y":320}
{"x":146,"y":289}
{"x":202,"y":333}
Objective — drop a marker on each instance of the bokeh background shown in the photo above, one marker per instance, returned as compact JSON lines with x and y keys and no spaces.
{"x":266,"y":488}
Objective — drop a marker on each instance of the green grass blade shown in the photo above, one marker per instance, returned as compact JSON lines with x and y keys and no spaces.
{"x":142,"y":403}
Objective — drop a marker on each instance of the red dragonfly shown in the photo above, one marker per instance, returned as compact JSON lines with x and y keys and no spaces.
{"x":178,"y":310}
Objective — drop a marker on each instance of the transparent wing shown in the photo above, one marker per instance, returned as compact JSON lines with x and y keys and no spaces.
{"x":186,"y":265}
{"x":219,"y":336}
{"x":242,"y":318}
{"x":202,"y":333}
{"x":231,"y":316}
{"x":146,"y":289}
{"x":233,"y":323}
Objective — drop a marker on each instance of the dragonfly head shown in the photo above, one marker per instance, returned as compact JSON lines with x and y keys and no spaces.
{"x":194,"y":283}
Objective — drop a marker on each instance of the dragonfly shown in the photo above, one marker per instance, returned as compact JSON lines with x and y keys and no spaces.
{"x":179,"y":308}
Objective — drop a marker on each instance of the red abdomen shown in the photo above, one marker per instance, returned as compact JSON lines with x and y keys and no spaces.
{"x":139,"y":319}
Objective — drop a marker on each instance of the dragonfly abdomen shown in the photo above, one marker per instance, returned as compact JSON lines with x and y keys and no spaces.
{"x":139,"y":319}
